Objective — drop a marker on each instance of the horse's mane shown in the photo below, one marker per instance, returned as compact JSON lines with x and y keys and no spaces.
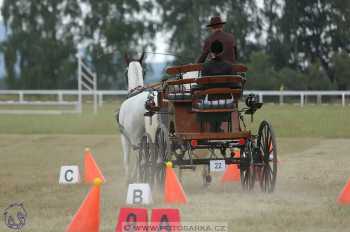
{"x":135,"y":75}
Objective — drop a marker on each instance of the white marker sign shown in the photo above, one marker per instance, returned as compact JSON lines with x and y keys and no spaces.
{"x":69,"y":175}
{"x":217,"y":165}
{"x":139,"y":194}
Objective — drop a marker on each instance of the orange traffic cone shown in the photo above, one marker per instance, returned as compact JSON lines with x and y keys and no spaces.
{"x":344,"y":196}
{"x":87,"y":218}
{"x":92,"y":170}
{"x":173,"y":191}
{"x":231,"y":174}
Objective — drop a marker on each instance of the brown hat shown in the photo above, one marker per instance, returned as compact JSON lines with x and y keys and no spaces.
{"x":216,"y":20}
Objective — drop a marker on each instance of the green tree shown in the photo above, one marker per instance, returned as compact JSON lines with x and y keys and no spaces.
{"x":315,"y":30}
{"x":187,"y":20}
{"x":261,"y":74}
{"x":342,"y":70}
{"x":112,"y":28}
{"x":317,"y":78}
{"x":40,"y":47}
{"x":243,"y":22}
{"x":291,"y":79}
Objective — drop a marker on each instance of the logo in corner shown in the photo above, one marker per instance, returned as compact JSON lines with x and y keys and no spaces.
{"x":15,"y":216}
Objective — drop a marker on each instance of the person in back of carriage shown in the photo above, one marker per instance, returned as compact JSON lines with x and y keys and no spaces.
{"x":228,"y":41}
{"x":217,"y":65}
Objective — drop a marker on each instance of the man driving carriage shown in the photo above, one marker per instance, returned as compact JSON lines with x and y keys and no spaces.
{"x":216,"y":26}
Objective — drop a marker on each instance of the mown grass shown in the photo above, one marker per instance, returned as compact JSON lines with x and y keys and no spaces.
{"x":304,"y":200}
{"x":85,"y":123}
{"x":311,"y":173}
{"x":330,"y":121}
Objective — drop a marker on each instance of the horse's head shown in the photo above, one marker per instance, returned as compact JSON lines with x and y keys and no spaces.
{"x":135,"y":73}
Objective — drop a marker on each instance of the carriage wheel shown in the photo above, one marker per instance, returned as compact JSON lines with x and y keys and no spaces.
{"x":267,"y":157}
{"x":247,"y":168}
{"x":145,"y":161}
{"x":162,"y":150}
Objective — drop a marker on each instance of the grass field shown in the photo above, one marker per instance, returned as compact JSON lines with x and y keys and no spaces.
{"x":328,"y":121}
{"x":313,"y":144}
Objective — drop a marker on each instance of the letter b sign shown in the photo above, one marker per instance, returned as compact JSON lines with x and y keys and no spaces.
{"x":139,"y":194}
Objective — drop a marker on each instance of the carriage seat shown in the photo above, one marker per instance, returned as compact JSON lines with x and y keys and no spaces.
{"x":216,"y":98}
{"x":179,"y":90}
{"x":187,"y":89}
{"x":175,"y":70}
{"x":178,"y":96}
{"x":215,"y":104}
{"x":221,"y":81}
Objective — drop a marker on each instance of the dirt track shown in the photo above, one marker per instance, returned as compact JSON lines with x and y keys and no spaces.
{"x":311,"y":174}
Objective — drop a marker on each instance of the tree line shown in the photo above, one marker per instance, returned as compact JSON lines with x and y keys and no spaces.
{"x":289,"y":44}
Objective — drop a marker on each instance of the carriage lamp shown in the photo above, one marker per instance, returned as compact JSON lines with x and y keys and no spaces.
{"x":241,"y":141}
{"x":194,"y":143}
{"x":251,"y":100}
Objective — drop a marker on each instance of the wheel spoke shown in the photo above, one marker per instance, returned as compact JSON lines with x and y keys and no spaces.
{"x":160,"y":156}
{"x":248,"y":171}
{"x":261,"y":142}
{"x":266,"y":143}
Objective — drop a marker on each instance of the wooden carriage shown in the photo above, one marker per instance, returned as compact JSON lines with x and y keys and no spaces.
{"x":185,"y":116}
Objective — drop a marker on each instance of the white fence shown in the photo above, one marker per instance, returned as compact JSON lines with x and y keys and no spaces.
{"x":22,"y":98}
{"x":302,"y":95}
{"x":19,"y":96}
{"x":87,"y":84}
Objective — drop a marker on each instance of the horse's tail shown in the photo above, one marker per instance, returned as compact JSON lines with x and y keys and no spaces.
{"x":124,"y":132}
{"x":117,"y":117}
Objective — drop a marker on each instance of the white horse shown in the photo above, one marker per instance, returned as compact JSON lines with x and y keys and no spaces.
{"x":131,"y":117}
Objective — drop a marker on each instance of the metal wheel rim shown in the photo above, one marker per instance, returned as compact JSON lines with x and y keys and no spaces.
{"x":145,"y":162}
{"x":248,"y":174}
{"x":267,"y":152}
{"x":161,"y":155}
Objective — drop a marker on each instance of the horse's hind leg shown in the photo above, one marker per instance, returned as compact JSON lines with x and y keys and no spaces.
{"x":126,"y":151}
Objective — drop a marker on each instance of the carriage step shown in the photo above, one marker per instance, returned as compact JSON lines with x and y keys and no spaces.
{"x":190,"y":167}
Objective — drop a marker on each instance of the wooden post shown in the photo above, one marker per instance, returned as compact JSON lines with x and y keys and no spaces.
{"x":319,"y":99}
{"x":60,"y":97}
{"x":100,"y":99}
{"x":281,"y":94}
{"x":281,"y":98}
{"x":302,"y":100}
{"x":21,"y":98}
